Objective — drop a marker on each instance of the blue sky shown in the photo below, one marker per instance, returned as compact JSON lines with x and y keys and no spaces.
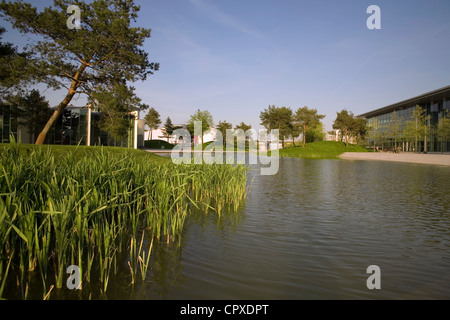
{"x":235,"y":58}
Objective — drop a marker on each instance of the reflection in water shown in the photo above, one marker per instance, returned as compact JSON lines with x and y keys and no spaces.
{"x":311,"y":231}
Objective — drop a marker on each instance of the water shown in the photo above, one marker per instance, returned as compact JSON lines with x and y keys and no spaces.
{"x":310,"y":232}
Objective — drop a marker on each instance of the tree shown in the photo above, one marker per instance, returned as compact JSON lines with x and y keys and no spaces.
{"x":12,"y":66}
{"x":315,"y":133}
{"x":153,"y":120}
{"x":204,"y":117}
{"x":344,"y":122}
{"x":115,"y":108}
{"x":278,"y":118}
{"x":360,"y":129}
{"x":33,"y":110}
{"x":394,"y":128}
{"x":307,"y":118}
{"x":417,"y":127}
{"x":294,"y":131}
{"x":100,"y":59}
{"x":168,"y":128}
{"x":244,"y":127}
{"x":443,"y":128}
{"x":223,"y":126}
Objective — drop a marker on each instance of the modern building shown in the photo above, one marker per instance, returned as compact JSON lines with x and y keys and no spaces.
{"x":77,"y":125}
{"x":436,"y":105}
{"x":8,"y":123}
{"x":158,"y":134}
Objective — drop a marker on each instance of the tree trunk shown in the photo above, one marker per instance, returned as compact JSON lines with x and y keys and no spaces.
{"x":425,"y":147}
{"x":59,"y":110}
{"x":346,"y":137}
{"x":304,"y":136}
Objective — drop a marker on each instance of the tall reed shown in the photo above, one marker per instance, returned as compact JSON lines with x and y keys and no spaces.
{"x":88,"y":209}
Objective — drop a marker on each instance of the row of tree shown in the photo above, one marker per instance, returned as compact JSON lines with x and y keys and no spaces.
{"x":350,"y":126}
{"x":153,"y":121}
{"x":288,"y":123}
{"x":307,"y":122}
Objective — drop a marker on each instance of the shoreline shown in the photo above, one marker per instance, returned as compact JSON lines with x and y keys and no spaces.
{"x":433,"y":159}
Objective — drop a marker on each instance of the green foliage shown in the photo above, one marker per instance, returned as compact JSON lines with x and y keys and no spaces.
{"x":90,"y":207}
{"x":443,"y":128}
{"x":417,"y":128}
{"x":278,"y":118}
{"x":244,"y":127}
{"x":223,"y":126}
{"x":99,"y":60}
{"x":315,"y":133}
{"x":204,"y":117}
{"x":13,"y":67}
{"x":115,"y":110}
{"x":33,"y":110}
{"x":321,"y":150}
{"x":360,"y":129}
{"x":158,"y":144}
{"x":153,"y":120}
{"x":307,"y":118}
{"x":350,"y":126}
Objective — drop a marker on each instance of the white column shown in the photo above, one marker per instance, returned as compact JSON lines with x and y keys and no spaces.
{"x":88,"y":142}
{"x":135,"y":141}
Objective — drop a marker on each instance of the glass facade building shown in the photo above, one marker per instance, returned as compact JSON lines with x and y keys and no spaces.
{"x":8,"y":123}
{"x":387,"y":125}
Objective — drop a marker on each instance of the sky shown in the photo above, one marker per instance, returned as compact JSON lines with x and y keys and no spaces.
{"x":235,"y":58}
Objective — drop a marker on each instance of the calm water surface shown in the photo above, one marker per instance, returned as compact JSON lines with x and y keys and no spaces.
{"x":311,"y":231}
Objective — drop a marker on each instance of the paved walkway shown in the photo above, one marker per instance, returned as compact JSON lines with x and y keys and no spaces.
{"x":437,"y":159}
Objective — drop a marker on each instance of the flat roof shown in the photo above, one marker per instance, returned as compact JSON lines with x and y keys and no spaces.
{"x":435,"y":95}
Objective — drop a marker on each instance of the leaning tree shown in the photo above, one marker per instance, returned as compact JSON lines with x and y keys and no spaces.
{"x":100,"y":57}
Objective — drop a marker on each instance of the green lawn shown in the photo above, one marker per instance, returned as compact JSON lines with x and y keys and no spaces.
{"x":321,"y":150}
{"x":158,"y":144}
{"x":82,"y":151}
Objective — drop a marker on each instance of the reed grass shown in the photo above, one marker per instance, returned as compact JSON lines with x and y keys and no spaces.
{"x":87,"y":208}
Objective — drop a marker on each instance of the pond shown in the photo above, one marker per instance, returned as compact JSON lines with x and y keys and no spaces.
{"x":311,"y":232}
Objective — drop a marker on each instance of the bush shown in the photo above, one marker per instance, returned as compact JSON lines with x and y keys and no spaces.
{"x":158,"y":144}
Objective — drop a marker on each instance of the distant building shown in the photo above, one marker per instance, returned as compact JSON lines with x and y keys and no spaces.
{"x":8,"y":123}
{"x":77,"y":125}
{"x":336,"y":135}
{"x":158,"y":134}
{"x":436,"y":105}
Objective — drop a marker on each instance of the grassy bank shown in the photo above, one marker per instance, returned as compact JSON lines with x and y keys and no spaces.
{"x":158,"y":144}
{"x":321,"y":150}
{"x":80,"y":152}
{"x":62,"y":206}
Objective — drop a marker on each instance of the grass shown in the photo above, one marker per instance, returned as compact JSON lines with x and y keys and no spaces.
{"x":80,"y":152}
{"x":89,"y":207}
{"x":321,"y":150}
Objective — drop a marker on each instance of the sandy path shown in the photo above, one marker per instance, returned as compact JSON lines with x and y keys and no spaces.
{"x":437,"y":159}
